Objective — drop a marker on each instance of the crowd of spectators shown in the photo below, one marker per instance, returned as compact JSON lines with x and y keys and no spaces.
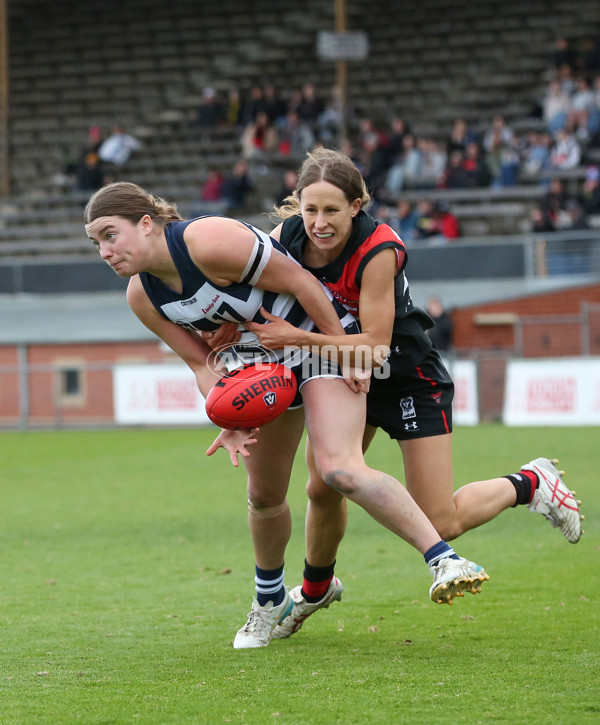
{"x":274,"y":125}
{"x":98,"y":162}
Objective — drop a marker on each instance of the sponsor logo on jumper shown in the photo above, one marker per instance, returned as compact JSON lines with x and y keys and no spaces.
{"x":249,"y":393}
{"x":211,"y":305}
{"x":185,"y":303}
{"x":437,"y":397}
{"x":408,"y":408}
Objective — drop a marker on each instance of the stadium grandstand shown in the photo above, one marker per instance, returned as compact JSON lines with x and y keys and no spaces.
{"x":72,"y":70}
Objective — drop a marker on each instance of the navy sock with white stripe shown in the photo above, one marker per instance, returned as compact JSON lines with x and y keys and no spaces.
{"x":269,"y":586}
{"x":439,"y":551}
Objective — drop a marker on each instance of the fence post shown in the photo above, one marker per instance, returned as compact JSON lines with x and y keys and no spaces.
{"x":23,"y":373}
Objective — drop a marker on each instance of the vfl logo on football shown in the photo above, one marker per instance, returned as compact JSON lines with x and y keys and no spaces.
{"x":408,"y":408}
{"x":270,"y":399}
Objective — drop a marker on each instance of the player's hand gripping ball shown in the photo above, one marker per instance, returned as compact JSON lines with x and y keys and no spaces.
{"x":251,"y":396}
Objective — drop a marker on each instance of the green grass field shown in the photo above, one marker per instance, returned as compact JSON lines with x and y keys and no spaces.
{"x":127,"y":569}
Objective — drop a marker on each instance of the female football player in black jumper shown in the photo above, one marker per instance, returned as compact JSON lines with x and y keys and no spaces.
{"x":327,"y":229}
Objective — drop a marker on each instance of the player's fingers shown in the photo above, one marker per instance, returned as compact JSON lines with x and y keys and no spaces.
{"x":267,"y":315}
{"x":364,"y":385}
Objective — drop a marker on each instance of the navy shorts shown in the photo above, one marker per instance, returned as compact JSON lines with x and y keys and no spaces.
{"x":415,"y":401}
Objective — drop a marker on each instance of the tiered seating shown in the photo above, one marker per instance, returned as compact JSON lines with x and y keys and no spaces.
{"x":143,"y":63}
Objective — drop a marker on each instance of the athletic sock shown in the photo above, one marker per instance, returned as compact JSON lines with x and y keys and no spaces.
{"x":439,"y":551}
{"x":525,"y":483}
{"x":316,"y":581}
{"x":269,"y":586}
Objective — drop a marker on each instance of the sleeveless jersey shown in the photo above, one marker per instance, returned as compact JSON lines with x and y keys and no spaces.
{"x":344,"y":274}
{"x":204,"y":305}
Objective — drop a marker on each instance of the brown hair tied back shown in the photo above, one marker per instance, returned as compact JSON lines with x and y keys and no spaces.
{"x":326,"y":165}
{"x":131,"y":202}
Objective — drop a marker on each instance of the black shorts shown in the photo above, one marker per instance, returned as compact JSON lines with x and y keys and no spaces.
{"x":415,"y":401}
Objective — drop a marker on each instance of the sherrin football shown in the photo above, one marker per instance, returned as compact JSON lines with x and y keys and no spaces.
{"x":251,"y":396}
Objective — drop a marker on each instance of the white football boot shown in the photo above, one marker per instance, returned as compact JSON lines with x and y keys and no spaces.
{"x":554,"y":500}
{"x":303,"y":609}
{"x":453,"y":577}
{"x":261,"y":622}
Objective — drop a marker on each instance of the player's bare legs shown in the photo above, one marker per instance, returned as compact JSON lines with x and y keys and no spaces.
{"x":326,"y":517}
{"x":428,"y":473}
{"x":335,"y":424}
{"x":335,"y":429}
{"x":269,"y":468}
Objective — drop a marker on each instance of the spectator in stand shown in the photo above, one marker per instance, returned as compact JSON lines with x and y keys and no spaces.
{"x":212,"y":187}
{"x":595,"y":139}
{"x":540,"y":222}
{"x":566,"y":79}
{"x":456,"y":176}
{"x":398,"y":130}
{"x":288,"y":184}
{"x":232,"y":112}
{"x":433,"y":166}
{"x":95,"y":139}
{"x":566,"y":151}
{"x":210,"y":110}
{"x":556,"y":105}
{"x":554,"y":201}
{"x":588,"y":56}
{"x":442,"y":332}
{"x":236,"y":187}
{"x":404,"y":221}
{"x":259,"y":139}
{"x":584,"y":117}
{"x":118,"y":147}
{"x":575,"y":217}
{"x":311,"y":106}
{"x":436,"y":222}
{"x":460,"y":136}
{"x":590,"y":193}
{"x":253,"y":106}
{"x":329,"y":121}
{"x":274,"y":105}
{"x":367,"y":128}
{"x":295,"y":100}
{"x":295,"y":136}
{"x":347,"y":148}
{"x":90,"y":175}
{"x":447,"y":220}
{"x":373,"y":163}
{"x":500,"y":144}
{"x":476,"y":166}
{"x":562,"y":54}
{"x":405,"y":170}
{"x":536,"y":155}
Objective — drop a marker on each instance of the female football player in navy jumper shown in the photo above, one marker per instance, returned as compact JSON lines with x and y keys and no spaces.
{"x":362,"y":261}
{"x":189,"y":276}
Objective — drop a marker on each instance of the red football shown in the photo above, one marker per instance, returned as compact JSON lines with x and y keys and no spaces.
{"x":251,"y":396}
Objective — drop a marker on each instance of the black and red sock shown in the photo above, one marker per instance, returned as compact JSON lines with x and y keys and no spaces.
{"x":525,"y":483}
{"x":316,"y":581}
